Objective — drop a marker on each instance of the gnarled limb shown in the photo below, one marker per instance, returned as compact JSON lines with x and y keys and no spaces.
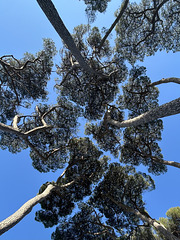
{"x":9,"y":129}
{"x":122,"y":10}
{"x":25,"y":209}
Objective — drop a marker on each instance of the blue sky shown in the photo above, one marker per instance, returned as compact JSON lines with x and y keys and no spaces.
{"x":23,"y":25}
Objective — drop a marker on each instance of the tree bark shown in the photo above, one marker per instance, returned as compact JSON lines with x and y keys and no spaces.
{"x":165,"y":110}
{"x":6,"y":128}
{"x":166,"y":80}
{"x":158,"y":160}
{"x":51,"y":13}
{"x":16,"y":217}
{"x":146,"y":218}
{"x":165,"y":162}
{"x":123,"y":8}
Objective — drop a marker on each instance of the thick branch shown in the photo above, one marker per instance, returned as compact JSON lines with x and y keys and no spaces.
{"x":35,"y":149}
{"x":37,"y":129}
{"x":122,"y":10}
{"x":166,"y":80}
{"x":54,"y":18}
{"x":20,"y":68}
{"x":165,"y":110}
{"x":15,"y":122}
{"x":6,"y":128}
{"x":25,"y":209}
{"x":16,"y":217}
{"x":145,"y":218}
{"x":165,"y":162}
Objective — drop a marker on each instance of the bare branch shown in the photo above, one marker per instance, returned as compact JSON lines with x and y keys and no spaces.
{"x":16,"y":217}
{"x":6,"y":128}
{"x":41,"y":116}
{"x":166,"y":80}
{"x":112,"y":235}
{"x":20,"y":68}
{"x":158,"y":160}
{"x":165,"y":162}
{"x":74,"y":66}
{"x":123,"y":8}
{"x":51,"y":13}
{"x":167,"y":109}
{"x":15,"y":122}
{"x":37,"y":129}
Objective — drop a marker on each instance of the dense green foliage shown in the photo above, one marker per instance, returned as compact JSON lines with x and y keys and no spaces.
{"x":20,"y":79}
{"x":149,"y":27}
{"x":94,"y":194}
{"x":172,"y":221}
{"x":94,"y":6}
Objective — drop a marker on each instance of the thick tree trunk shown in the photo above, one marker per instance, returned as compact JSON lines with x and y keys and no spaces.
{"x":16,"y":217}
{"x":165,"y":110}
{"x":54,"y":18}
{"x":146,"y":218}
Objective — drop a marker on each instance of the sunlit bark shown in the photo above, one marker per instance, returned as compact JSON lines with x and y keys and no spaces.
{"x":16,"y":217}
{"x":165,"y":110}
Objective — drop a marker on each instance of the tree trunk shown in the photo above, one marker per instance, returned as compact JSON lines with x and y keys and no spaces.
{"x":16,"y":217}
{"x":146,"y":218}
{"x":165,"y":110}
{"x":54,"y":18}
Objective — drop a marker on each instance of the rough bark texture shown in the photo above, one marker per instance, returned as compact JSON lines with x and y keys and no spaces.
{"x":158,"y":226}
{"x":165,"y":110}
{"x":54,"y":18}
{"x":16,"y":217}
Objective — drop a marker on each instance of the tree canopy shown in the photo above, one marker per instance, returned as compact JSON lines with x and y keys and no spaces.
{"x":103,"y":90}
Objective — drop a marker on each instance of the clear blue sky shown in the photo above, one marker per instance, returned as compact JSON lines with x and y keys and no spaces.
{"x":23,"y":25}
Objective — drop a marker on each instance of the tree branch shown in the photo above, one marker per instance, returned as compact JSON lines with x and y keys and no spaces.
{"x":107,"y":228}
{"x":6,"y":128}
{"x":15,"y":122}
{"x":165,"y":162}
{"x":165,"y":110}
{"x":51,"y":13}
{"x":122,"y":10}
{"x":20,"y":68}
{"x":145,"y":218}
{"x":25,"y":209}
{"x":37,"y":129}
{"x":166,"y":80}
{"x":16,"y":217}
